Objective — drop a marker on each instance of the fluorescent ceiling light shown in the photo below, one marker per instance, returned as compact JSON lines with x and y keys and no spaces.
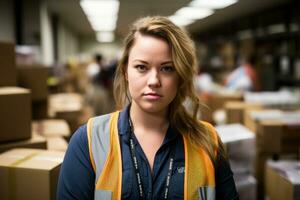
{"x":103,"y":24}
{"x":103,"y":7}
{"x":193,"y":13}
{"x":103,"y":20}
{"x":105,"y":36}
{"x":100,"y":27}
{"x":212,"y":4}
{"x":180,"y":21}
{"x":103,"y":28}
{"x":102,"y":14}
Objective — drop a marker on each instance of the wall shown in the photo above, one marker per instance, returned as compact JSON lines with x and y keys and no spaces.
{"x":47,"y":45}
{"x":89,"y":46}
{"x":67,"y":42}
{"x":7,"y":32}
{"x":31,"y":22}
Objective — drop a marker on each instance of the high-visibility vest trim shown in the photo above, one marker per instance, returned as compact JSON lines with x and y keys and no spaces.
{"x":106,"y":158}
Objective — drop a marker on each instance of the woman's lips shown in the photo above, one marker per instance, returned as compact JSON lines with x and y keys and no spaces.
{"x":152,"y":96}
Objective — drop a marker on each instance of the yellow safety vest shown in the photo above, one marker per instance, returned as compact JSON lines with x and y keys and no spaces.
{"x":105,"y":154}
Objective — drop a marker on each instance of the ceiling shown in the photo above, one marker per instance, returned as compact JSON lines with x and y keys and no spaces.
{"x":71,"y":13}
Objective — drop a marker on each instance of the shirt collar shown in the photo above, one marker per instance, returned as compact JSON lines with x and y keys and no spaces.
{"x":123,"y":122}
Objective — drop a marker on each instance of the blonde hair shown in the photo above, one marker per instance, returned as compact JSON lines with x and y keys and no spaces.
{"x":185,"y":63}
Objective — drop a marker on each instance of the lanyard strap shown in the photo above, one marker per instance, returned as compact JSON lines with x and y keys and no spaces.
{"x":137,"y":170}
{"x":168,"y":179}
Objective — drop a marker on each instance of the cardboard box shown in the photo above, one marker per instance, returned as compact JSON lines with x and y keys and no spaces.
{"x":259,"y":168}
{"x":240,"y":145}
{"x":15,"y":118}
{"x":67,"y":106}
{"x":253,"y":115}
{"x":235,"y":110}
{"x":282,"y":99}
{"x":276,"y":136}
{"x":73,"y":119}
{"x":283,"y":180}
{"x":8,"y":69}
{"x":65,"y":103}
{"x":40,"y":109}
{"x":57,"y":144}
{"x":217,"y":101}
{"x":35,"y":142}
{"x":246,"y":186}
{"x":29,"y":174}
{"x":34,"y":77}
{"x":51,"y":128}
{"x":268,"y":136}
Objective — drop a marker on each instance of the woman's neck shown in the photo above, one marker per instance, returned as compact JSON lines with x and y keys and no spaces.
{"x":150,"y":130}
{"x":154,"y":122}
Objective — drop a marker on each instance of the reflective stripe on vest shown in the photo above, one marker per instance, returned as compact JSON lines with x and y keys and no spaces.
{"x":105,"y":153}
{"x":101,"y":141}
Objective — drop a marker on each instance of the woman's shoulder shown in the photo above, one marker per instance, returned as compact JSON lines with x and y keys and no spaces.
{"x":206,"y":124}
{"x":101,"y":118}
{"x":79,"y":138}
{"x":80,"y":132}
{"x":210,"y":128}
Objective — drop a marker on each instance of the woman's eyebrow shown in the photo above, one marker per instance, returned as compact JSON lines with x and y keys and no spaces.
{"x":139,"y":60}
{"x":167,"y":62}
{"x":145,"y":62}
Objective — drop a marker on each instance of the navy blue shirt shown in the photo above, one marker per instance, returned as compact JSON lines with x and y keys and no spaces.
{"x":77,"y":178}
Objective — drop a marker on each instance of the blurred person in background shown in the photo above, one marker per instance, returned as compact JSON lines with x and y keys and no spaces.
{"x":205,"y":84}
{"x":98,"y":92}
{"x":106,"y":76}
{"x":244,"y":77}
{"x":153,"y":148}
{"x":94,"y":68}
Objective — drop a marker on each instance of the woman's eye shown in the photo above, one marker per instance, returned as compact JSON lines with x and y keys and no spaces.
{"x":141,"y":68}
{"x":167,"y":69}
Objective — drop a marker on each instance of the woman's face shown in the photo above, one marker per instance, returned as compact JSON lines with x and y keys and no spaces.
{"x":152,"y":79}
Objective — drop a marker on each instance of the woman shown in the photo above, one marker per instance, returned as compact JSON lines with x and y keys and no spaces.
{"x":153,"y":148}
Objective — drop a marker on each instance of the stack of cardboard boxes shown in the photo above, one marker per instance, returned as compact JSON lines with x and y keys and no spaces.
{"x":56,"y":131}
{"x":67,"y":106}
{"x":235,"y":110}
{"x":15,"y":121}
{"x":34,"y":77}
{"x":277,"y":131}
{"x":15,"y":106}
{"x":276,"y":138}
{"x":25,"y":173}
{"x":283,"y":180}
{"x":7,"y":64}
{"x":216,"y":101}
{"x":240,"y":146}
{"x":29,"y":174}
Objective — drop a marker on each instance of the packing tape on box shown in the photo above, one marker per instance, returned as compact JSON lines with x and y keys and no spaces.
{"x":12,"y":173}
{"x":49,"y":158}
{"x":22,"y":159}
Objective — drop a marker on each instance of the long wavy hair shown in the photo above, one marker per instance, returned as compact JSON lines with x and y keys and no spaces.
{"x":185,"y":63}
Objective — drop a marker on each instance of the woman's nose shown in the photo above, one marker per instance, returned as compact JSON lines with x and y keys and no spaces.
{"x":153,"y":79}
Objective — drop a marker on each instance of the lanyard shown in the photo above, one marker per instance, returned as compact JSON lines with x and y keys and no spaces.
{"x":137,"y":170}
